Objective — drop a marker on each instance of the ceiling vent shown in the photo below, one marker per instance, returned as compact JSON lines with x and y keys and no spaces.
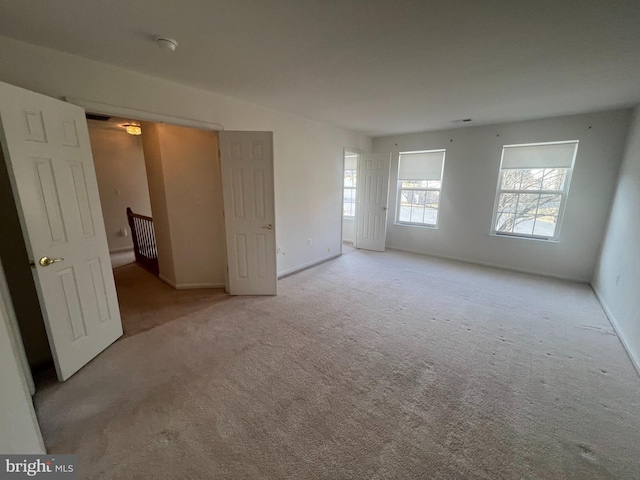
{"x":462,"y":120}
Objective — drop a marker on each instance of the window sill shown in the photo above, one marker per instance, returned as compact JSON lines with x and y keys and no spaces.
{"x":522,"y":237}
{"x":415,"y":225}
{"x":349,"y":219}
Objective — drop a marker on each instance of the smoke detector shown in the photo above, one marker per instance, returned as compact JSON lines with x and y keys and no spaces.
{"x":167,"y":43}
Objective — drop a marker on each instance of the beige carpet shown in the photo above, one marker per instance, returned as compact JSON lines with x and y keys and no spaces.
{"x":146,"y":301}
{"x":373,"y":366}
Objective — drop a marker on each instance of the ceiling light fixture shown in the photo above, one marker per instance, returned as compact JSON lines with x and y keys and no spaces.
{"x":167,"y":43}
{"x":133,"y":129}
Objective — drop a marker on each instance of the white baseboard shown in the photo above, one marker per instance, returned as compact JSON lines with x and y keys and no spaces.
{"x":612,"y":320}
{"x":120,"y":250}
{"x":491,"y":265}
{"x":190,"y":286}
{"x":299,"y":268}
{"x":167,"y":281}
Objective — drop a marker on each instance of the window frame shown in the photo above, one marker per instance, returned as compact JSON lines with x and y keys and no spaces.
{"x":564,"y":194}
{"x":399,"y":190}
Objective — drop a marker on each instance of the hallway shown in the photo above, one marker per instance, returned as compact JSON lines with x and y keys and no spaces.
{"x":147,"y":302}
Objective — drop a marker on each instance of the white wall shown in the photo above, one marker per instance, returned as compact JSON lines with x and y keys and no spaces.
{"x":469,"y":187}
{"x":122,"y":179}
{"x":158,"y":195}
{"x":307,"y":154}
{"x":349,"y":230}
{"x":617,"y":278}
{"x":19,"y":430}
{"x":194,"y":199}
{"x":186,"y":184}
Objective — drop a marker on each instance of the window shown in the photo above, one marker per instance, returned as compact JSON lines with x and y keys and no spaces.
{"x":349,"y":208}
{"x":350,"y":178}
{"x":532,"y":189}
{"x":419,"y":184}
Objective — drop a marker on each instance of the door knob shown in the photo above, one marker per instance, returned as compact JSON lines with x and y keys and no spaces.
{"x":46,"y":261}
{"x":268,"y":226}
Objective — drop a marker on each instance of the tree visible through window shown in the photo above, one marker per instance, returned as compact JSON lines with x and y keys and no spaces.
{"x":419,"y":185}
{"x":532,"y":189}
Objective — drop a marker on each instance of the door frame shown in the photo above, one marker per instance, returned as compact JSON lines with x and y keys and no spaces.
{"x":148,"y":116}
{"x":6,"y":303}
{"x":142,"y":115}
{"x":16,"y":359}
{"x":155,"y":117}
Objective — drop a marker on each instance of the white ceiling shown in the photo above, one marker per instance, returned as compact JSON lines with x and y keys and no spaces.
{"x":374,"y":66}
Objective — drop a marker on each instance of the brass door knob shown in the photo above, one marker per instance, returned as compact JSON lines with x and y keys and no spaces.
{"x":268,"y":226}
{"x":46,"y":261}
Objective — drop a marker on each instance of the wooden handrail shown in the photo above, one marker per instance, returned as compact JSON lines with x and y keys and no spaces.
{"x":137,"y":215}
{"x":144,"y":241}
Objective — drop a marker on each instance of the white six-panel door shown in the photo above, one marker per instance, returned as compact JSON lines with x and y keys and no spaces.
{"x":372,"y":193}
{"x":246,"y":160}
{"x":46,"y":146}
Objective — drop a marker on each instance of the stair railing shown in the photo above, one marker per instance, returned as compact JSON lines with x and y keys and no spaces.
{"x":144,"y":241}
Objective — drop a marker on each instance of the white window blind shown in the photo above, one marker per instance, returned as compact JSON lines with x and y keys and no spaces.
{"x":350,"y":162}
{"x":419,"y":185}
{"x":421,"y":165}
{"x":555,"y":155}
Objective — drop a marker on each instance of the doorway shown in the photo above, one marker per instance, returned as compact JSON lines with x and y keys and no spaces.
{"x":349,"y":204}
{"x":70,"y":184}
{"x":186,"y":186}
{"x":366,"y":190}
{"x":121,"y":173}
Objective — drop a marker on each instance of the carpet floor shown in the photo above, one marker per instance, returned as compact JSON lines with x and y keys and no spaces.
{"x":146,"y":301}
{"x":372,"y":366}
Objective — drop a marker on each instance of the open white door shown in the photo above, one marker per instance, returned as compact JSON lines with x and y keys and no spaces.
{"x":246,"y":160}
{"x":47,"y":150}
{"x":372,"y":193}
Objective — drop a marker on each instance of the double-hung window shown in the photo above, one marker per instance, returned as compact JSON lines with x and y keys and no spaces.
{"x":350,"y":184}
{"x":532,"y":189}
{"x":419,"y":185}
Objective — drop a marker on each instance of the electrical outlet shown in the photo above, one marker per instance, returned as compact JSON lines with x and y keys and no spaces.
{"x":309,"y":242}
